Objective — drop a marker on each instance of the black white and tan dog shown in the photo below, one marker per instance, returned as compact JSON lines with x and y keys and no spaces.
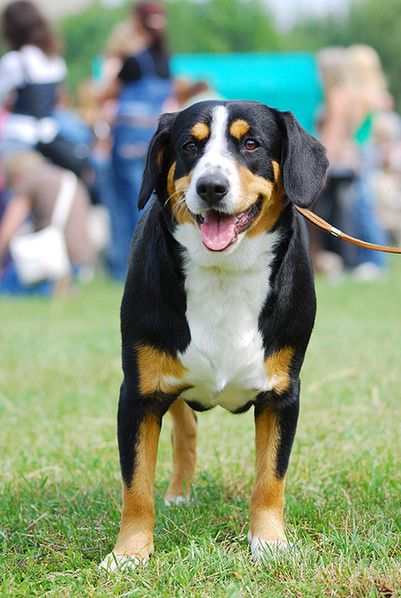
{"x":218,"y":306}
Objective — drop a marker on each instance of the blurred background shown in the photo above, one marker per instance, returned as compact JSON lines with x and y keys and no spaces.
{"x":82,"y":84}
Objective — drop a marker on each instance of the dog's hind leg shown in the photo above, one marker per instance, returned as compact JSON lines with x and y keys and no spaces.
{"x":274,"y":435}
{"x":184,"y":452}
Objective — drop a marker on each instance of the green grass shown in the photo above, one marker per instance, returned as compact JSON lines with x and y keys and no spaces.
{"x":59,"y":505}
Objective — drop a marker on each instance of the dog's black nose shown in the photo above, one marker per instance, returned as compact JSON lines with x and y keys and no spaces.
{"x":212,"y":188}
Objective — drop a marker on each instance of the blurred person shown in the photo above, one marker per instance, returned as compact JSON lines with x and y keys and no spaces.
{"x":386,"y":179}
{"x":370,"y":96}
{"x":123,"y":42}
{"x":72,"y":127}
{"x":35,"y":185}
{"x":336,"y":128}
{"x":30,"y":78}
{"x":187,"y":92}
{"x":141,"y":88}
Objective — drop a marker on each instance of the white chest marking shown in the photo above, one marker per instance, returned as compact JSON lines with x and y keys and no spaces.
{"x":225,"y":358}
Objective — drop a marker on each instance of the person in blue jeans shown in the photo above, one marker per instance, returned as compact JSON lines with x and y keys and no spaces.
{"x":142,"y":86}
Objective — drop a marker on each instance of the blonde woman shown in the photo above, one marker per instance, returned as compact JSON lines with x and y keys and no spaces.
{"x":336,"y":130}
{"x":370,"y":95}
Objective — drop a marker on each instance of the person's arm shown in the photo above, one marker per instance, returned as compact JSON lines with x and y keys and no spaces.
{"x":10,"y":76}
{"x":129,"y":72}
{"x":16,"y":212}
{"x":111,"y":92}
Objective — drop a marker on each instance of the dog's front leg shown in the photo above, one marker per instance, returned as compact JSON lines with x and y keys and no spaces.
{"x":139,"y":423}
{"x":274,"y":435}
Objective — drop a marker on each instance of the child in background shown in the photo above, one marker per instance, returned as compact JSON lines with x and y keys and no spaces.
{"x":35,"y":185}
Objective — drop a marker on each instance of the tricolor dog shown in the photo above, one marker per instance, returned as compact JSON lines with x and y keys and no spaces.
{"x":218,"y":306}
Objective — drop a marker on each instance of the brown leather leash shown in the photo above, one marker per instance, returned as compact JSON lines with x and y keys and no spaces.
{"x":332,"y":230}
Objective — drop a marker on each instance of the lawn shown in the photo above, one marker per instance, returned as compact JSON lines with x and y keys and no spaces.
{"x":60,"y":482}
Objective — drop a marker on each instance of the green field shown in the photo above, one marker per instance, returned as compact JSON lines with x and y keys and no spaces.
{"x":60,"y":481}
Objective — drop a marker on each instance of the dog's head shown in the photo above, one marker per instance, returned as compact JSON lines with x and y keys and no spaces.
{"x":228,"y":169}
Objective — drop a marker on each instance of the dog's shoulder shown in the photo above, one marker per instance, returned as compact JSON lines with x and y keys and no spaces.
{"x":288,"y":314}
{"x":154,"y":301}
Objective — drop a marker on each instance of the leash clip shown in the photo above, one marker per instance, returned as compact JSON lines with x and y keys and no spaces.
{"x":336,"y":232}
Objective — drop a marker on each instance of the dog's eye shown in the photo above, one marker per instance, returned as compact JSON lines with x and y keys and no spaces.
{"x":250,"y":144}
{"x":189,"y":147}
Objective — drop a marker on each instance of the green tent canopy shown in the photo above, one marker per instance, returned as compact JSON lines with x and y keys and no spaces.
{"x":287,"y":81}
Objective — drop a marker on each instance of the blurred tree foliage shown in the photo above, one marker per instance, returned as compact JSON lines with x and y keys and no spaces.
{"x":221,"y":26}
{"x":210,"y":26}
{"x":85,"y":35}
{"x":373,"y":22}
{"x":242,"y":26}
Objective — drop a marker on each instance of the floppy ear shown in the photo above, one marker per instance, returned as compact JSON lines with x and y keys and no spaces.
{"x":303,"y":163}
{"x":154,"y":159}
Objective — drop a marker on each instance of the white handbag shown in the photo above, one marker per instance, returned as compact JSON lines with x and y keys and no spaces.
{"x":43,"y":255}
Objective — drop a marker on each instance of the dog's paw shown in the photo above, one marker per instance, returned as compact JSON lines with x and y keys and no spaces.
{"x":171,"y":501}
{"x":114,"y":562}
{"x":264,"y":549}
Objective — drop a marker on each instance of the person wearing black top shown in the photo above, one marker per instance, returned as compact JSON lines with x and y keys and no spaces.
{"x":141,"y":88}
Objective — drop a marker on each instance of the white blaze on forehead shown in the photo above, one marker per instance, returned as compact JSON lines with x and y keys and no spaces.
{"x":216,"y":150}
{"x":216,"y":158}
{"x":218,"y":138}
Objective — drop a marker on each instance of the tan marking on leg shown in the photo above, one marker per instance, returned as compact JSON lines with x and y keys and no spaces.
{"x":184,"y":449}
{"x":272,"y":206}
{"x":277,"y":367}
{"x":239,"y":128}
{"x":200,"y":131}
{"x":176,"y":189}
{"x":154,"y":367}
{"x":138,"y":513}
{"x":267,"y":502}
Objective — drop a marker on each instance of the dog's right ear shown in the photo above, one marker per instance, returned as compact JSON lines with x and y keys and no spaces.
{"x":154,"y":159}
{"x":303,"y":163}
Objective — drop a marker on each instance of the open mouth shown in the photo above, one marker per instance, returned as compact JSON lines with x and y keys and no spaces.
{"x":219,"y":230}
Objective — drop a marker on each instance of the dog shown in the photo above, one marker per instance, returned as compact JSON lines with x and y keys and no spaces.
{"x":219,"y":304}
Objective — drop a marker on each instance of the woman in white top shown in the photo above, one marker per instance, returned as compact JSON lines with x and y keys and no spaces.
{"x":30,"y":76}
{"x":30,"y":79}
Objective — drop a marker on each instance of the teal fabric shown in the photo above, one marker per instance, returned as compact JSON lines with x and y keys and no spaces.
{"x":287,"y":81}
{"x":364,"y":132}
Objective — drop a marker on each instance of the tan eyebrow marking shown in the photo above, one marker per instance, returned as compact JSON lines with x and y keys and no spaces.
{"x":239,"y":128}
{"x":200,"y":131}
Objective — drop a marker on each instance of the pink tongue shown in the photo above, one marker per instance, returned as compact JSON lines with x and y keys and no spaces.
{"x":217,"y":231}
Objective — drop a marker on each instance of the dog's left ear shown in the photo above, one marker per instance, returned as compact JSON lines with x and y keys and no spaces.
{"x":154,"y":158}
{"x":303,"y":163}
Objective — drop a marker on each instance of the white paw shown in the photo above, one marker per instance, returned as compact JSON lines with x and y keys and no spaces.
{"x":266,"y":548}
{"x":114,"y":562}
{"x":176,"y":500}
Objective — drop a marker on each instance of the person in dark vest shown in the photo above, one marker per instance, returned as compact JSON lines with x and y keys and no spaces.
{"x":30,"y":78}
{"x":141,"y":88}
